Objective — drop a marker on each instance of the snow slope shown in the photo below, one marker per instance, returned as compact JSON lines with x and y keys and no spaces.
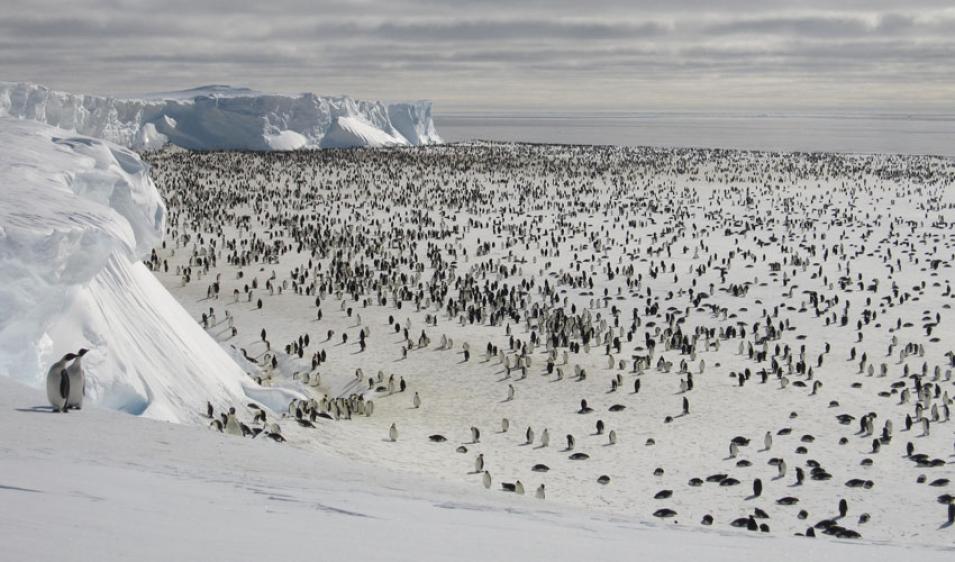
{"x":101,"y":486}
{"x":76,"y":216}
{"x":223,"y":117}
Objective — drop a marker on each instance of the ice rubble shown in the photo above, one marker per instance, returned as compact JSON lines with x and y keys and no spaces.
{"x":223,"y":117}
{"x":76,"y":216}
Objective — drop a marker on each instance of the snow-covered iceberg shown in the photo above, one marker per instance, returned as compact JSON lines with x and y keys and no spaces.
{"x":223,"y":117}
{"x":76,"y":216}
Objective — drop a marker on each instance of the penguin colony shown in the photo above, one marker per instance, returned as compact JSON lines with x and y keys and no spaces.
{"x":737,"y":339}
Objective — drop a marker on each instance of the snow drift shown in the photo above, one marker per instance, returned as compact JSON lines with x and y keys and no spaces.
{"x":223,"y":117}
{"x":76,"y":216}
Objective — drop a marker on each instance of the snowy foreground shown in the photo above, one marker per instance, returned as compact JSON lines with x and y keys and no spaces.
{"x":223,"y":117}
{"x":101,"y":485}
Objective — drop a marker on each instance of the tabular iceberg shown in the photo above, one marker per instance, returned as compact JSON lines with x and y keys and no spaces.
{"x":223,"y":117}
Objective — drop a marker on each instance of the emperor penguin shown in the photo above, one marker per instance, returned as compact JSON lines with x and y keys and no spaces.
{"x":77,"y":381}
{"x":530,"y":436}
{"x":487,"y":479}
{"x":545,"y":438}
{"x":55,"y":385}
{"x":768,"y":441}
{"x":540,"y":492}
{"x":479,"y":463}
{"x":417,"y":400}
{"x":519,"y":488}
{"x":475,"y":435}
{"x":505,"y":425}
{"x":232,"y":426}
{"x":393,"y":432}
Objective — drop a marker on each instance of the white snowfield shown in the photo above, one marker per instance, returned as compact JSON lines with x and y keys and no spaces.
{"x":98,"y":485}
{"x":223,"y":117}
{"x":76,"y":216}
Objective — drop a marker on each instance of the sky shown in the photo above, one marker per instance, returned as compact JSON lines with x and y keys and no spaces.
{"x":525,"y":56}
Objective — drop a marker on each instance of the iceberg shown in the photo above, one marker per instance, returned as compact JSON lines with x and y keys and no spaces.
{"x":77,"y":215}
{"x":219,"y":117}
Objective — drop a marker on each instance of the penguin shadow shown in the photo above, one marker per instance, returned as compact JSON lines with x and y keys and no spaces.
{"x":945,"y":525}
{"x":779,"y":477}
{"x":750,"y":497}
{"x":38,"y":410}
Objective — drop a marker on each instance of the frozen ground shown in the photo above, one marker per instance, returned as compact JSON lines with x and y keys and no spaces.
{"x":101,"y":485}
{"x":871,"y":233}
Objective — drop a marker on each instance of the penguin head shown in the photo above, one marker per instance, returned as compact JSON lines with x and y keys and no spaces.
{"x":82,"y":352}
{"x":69,"y":357}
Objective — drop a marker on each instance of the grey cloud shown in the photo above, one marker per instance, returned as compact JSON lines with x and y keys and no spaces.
{"x":493,"y":52}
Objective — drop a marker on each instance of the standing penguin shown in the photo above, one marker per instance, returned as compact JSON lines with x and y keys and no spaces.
{"x":540,"y":495}
{"x":510,"y":392}
{"x":519,"y":488}
{"x":479,"y":463}
{"x":613,"y":437}
{"x":487,"y":479}
{"x":77,"y":381}
{"x":475,"y":435}
{"x":768,"y":441}
{"x":393,"y":433}
{"x":757,"y":488}
{"x":417,"y":400}
{"x":530,"y":436}
{"x":505,"y":425}
{"x":545,"y":438}
{"x":232,"y":426}
{"x":58,"y":384}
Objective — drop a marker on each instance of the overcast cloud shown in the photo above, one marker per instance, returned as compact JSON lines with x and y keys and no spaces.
{"x":499,"y":55}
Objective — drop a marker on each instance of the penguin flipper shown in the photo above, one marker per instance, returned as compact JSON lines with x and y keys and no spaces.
{"x":64,"y":388}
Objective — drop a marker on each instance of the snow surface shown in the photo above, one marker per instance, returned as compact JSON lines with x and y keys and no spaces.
{"x":98,"y":485}
{"x":76,"y":216}
{"x":223,"y":117}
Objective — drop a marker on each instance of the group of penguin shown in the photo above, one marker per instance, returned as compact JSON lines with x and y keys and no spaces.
{"x":487,"y":289}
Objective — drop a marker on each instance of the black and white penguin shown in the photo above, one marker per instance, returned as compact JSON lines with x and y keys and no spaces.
{"x":479,"y":463}
{"x":393,"y":432}
{"x":54,"y":384}
{"x":77,"y":381}
{"x":61,"y":400}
